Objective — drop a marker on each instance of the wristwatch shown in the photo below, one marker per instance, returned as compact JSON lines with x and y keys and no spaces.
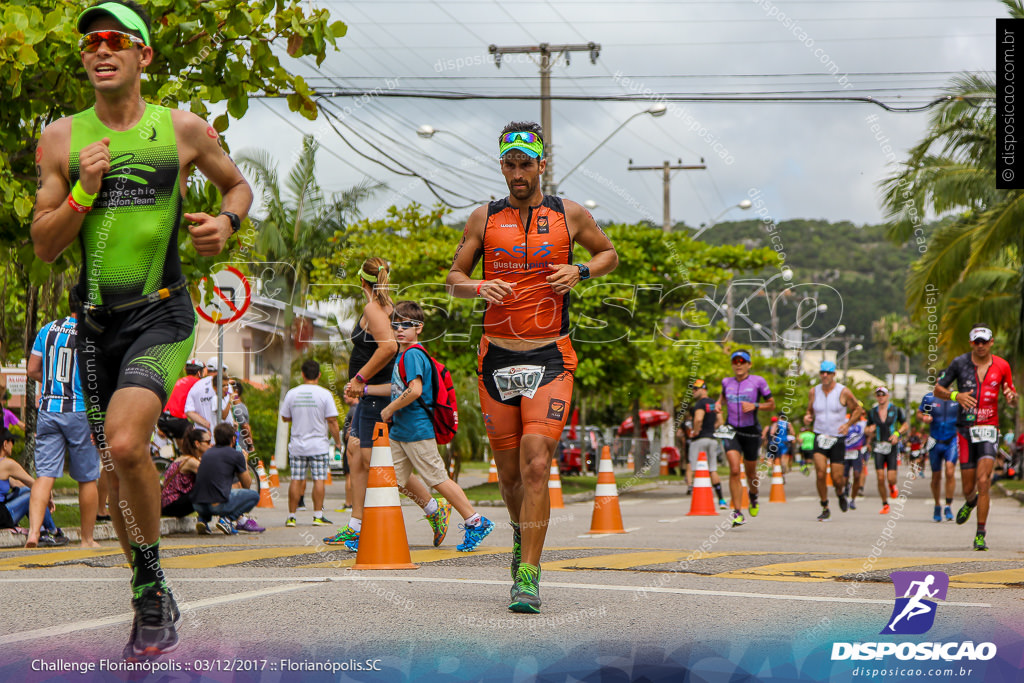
{"x":584,"y":271}
{"x":236,"y":222}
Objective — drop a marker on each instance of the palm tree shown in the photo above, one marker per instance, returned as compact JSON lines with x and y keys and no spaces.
{"x":298,"y":224}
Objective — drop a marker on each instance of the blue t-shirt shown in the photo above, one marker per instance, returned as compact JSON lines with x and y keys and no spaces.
{"x":944,"y":416}
{"x":412,"y":423}
{"x":62,"y":386}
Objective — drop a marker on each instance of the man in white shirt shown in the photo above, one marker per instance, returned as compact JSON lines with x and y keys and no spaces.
{"x":201,"y":403}
{"x":312,"y":412}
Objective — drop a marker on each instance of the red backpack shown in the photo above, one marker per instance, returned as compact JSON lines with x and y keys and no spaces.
{"x":444,"y":408}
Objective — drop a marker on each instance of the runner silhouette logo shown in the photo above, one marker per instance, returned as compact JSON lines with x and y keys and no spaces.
{"x":914,"y":612}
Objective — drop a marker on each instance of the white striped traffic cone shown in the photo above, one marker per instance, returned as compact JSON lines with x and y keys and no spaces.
{"x":702,"y":502}
{"x":383,"y":543}
{"x":492,"y":474}
{"x":555,"y":487}
{"x":778,"y":492}
{"x":607,"y":518}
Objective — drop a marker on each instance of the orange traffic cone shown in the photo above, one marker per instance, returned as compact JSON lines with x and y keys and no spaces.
{"x":492,"y":474}
{"x":607,"y":518}
{"x":664,"y":464}
{"x":745,"y":498}
{"x":383,"y":543}
{"x":828,"y":476}
{"x":265,"y":500}
{"x":778,"y":493}
{"x":555,"y":487}
{"x":329,"y":479}
{"x":273,"y":480}
{"x":703,"y":500}
{"x":630,"y":462}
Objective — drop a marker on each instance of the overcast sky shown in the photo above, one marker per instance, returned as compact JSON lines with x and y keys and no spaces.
{"x":808,"y":160}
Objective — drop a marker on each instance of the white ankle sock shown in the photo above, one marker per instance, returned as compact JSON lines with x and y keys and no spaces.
{"x":355,"y":524}
{"x":431,"y":507}
{"x":473,"y":520}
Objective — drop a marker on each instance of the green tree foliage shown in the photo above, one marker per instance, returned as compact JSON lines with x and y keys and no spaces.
{"x":633,"y":330}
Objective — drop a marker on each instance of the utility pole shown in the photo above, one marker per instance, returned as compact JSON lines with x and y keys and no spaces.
{"x":666,"y":179}
{"x":546,"y":51}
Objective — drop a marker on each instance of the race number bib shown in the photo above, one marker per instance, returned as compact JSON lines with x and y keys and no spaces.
{"x":518,"y":380}
{"x":826,"y":442}
{"x":984,"y":434}
{"x":725,"y":432}
{"x":852,"y":455}
{"x":883,"y":447}
{"x":930,"y":444}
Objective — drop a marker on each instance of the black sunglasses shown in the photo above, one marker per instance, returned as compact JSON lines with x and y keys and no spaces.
{"x":404,"y":325}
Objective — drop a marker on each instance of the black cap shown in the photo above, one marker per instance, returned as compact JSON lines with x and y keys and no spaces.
{"x":8,"y":435}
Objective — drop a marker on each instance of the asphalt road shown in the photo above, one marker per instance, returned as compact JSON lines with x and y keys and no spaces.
{"x":677,"y":593}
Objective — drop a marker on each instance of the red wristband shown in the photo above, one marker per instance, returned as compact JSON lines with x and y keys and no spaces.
{"x":80,"y":208}
{"x":478,"y":286}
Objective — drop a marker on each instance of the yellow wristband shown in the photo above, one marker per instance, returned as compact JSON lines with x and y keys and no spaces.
{"x":952,"y":396}
{"x":81,"y":196}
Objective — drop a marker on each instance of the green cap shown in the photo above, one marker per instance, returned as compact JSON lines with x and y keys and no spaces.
{"x":125,"y":15}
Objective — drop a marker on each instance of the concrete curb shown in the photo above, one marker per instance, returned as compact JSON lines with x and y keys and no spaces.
{"x":104,"y":531}
{"x":1018,"y":495}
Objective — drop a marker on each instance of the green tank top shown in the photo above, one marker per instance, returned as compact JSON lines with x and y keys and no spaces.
{"x":807,"y":440}
{"x":130,"y":238}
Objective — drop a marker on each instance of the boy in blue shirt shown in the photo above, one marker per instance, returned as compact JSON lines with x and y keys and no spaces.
{"x":412,"y":435}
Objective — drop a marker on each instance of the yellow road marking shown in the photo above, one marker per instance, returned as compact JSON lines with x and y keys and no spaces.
{"x":641,"y":559}
{"x":417,"y":556}
{"x":992,"y":579}
{"x":826,"y":570}
{"x":209,"y":560}
{"x":48,"y":558}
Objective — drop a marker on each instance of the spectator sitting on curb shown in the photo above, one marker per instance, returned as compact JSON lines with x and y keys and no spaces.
{"x":180,"y":477}
{"x":15,"y":499}
{"x":212,"y":493}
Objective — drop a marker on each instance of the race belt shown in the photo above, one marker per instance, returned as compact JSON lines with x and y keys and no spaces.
{"x":518,"y":380}
{"x":883,"y":447}
{"x":983,"y":434}
{"x":826,"y":442}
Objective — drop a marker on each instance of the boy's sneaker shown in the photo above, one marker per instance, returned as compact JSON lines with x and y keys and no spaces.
{"x":343,"y":536}
{"x":226,"y":526}
{"x":322,"y":521}
{"x":722,"y":505}
{"x":825,"y":514}
{"x":153,"y":632}
{"x":526,"y":591}
{"x":48,"y":540}
{"x":290,"y":521}
{"x":979,"y":542}
{"x":949,"y":514}
{"x":203,"y":529}
{"x":353,"y":545}
{"x":438,"y":521}
{"x":475,"y":534}
{"x":250,"y":526}
{"x":937,"y":513}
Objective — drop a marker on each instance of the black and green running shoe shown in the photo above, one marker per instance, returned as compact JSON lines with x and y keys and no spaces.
{"x":964,"y":513}
{"x":517,"y":549}
{"x":979,"y":542}
{"x":526,"y":590}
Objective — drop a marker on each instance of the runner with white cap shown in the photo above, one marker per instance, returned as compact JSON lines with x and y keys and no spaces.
{"x":979,"y":376}
{"x":829,"y":405}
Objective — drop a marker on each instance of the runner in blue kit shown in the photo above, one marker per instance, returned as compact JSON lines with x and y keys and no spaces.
{"x":830,"y":404}
{"x":742,"y":396}
{"x":856,"y":460}
{"x":941,"y":415}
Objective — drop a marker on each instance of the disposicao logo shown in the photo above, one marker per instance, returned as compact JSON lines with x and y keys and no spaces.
{"x":914,"y":614}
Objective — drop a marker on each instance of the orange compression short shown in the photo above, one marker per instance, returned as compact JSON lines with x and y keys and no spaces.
{"x":525,"y":392}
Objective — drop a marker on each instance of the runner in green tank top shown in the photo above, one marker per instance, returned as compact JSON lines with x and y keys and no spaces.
{"x":112,"y":178}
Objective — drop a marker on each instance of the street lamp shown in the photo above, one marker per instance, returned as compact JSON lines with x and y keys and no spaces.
{"x":426,"y":131}
{"x":704,"y":227}
{"x":655,"y":111}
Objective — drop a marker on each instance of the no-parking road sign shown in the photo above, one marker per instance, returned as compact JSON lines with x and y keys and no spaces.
{"x":232,"y":295}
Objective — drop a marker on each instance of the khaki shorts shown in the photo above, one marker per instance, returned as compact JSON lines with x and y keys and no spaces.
{"x":421,"y":455}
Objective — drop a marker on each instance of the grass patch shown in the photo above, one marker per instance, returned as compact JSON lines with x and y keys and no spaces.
{"x":1012,"y":484}
{"x":570,"y":486}
{"x":64,"y":516}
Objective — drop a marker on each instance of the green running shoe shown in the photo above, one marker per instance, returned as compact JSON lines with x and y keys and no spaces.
{"x":526,"y":597}
{"x":964,"y":513}
{"x":343,"y":536}
{"x":754,"y":508}
{"x":438,"y":521}
{"x":979,"y":542}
